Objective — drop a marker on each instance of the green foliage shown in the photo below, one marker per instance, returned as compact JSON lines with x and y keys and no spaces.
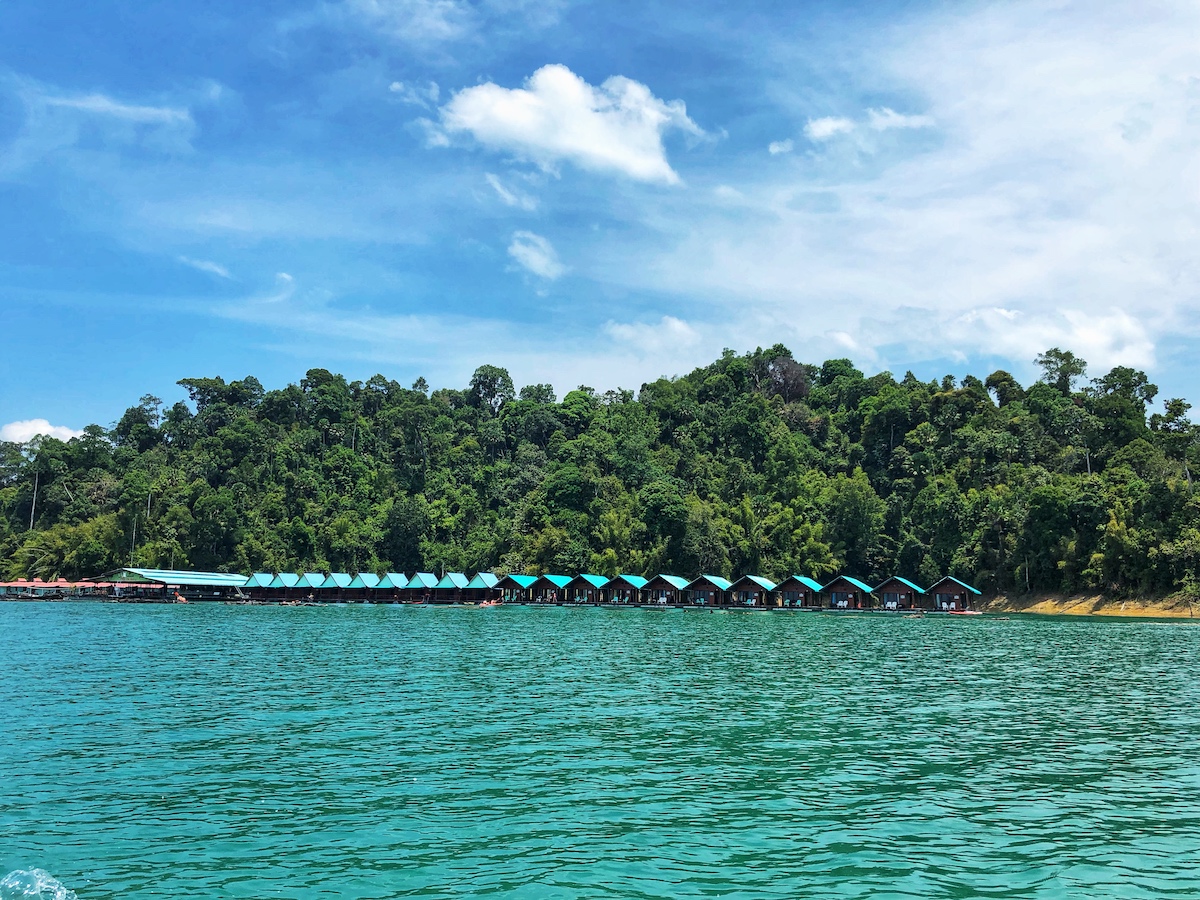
{"x":753,"y":464}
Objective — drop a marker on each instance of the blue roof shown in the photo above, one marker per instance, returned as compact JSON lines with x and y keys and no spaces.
{"x":854,"y":581}
{"x":807,"y":582}
{"x":721,"y":583}
{"x":260,"y":579}
{"x":171,"y":576}
{"x":559,"y":581}
{"x":483,"y":580}
{"x":285,"y":580}
{"x":336,"y":580}
{"x":453,"y":581}
{"x":757,"y":579}
{"x":595,"y":581}
{"x":365,"y":580}
{"x":674,"y":580}
{"x":393,"y":580}
{"x":523,"y":580}
{"x":962,"y":583}
{"x":919,"y":590}
{"x":311,"y":580}
{"x":636,"y":581}
{"x":423,"y":580}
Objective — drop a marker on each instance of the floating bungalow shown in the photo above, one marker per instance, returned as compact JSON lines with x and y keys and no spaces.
{"x":624,"y":589}
{"x":709,"y":590}
{"x":549,"y":588}
{"x":585,"y":589}
{"x":450,"y":587}
{"x":845,"y":592}
{"x":753,"y":590}
{"x":952,"y":594}
{"x":420,"y":587}
{"x":515,"y":588}
{"x":799,"y":592}
{"x":665,"y":590}
{"x":899,"y":593}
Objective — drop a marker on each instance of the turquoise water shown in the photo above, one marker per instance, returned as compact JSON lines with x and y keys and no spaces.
{"x":380,"y":751}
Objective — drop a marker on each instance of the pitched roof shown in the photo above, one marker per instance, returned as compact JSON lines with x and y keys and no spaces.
{"x":854,"y":581}
{"x":311,"y":580}
{"x":393,"y":580}
{"x":336,"y":580}
{"x":483,"y":580}
{"x":717,"y":581}
{"x":171,"y":576}
{"x":673,"y":580}
{"x":595,"y":581}
{"x":453,"y":581}
{"x":919,"y":590}
{"x":364,"y":580}
{"x":756,"y":579}
{"x":260,"y":579}
{"x":559,"y":581}
{"x":285,"y":580}
{"x":423,"y":580}
{"x":961,"y":583}
{"x":522,"y":581}
{"x":804,"y":580}
{"x":634,"y":581}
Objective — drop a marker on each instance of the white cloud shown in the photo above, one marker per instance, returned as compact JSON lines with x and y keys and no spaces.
{"x":668,"y":335}
{"x":882,"y":119}
{"x":825,"y":128}
{"x":100,"y":105}
{"x":19,"y":432}
{"x":510,"y":196}
{"x":615,"y":128}
{"x":416,"y":21}
{"x":205,"y":265}
{"x":777,"y":147}
{"x":536,"y":254}
{"x":416,"y":95}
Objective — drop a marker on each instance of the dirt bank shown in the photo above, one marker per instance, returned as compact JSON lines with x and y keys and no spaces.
{"x":1093,"y":605}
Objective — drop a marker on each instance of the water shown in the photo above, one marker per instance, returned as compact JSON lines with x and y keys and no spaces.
{"x":369,"y":752}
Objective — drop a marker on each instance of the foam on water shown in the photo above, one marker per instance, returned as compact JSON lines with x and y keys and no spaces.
{"x":33,"y":884}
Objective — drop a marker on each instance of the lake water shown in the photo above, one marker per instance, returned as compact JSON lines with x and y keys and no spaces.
{"x":380,"y":751}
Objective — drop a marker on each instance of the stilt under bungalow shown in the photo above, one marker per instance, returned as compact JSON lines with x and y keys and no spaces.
{"x":665,"y":590}
{"x":515,"y":588}
{"x":845,"y":592}
{"x":899,"y":593}
{"x":709,"y":590}
{"x":584,"y":589}
{"x":753,"y":591}
{"x":950,"y":594}
{"x":624,"y":590}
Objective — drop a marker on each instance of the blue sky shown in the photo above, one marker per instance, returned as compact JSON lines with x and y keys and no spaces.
{"x":587,"y":193}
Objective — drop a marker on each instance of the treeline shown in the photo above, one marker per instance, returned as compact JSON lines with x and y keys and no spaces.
{"x":753,"y":464}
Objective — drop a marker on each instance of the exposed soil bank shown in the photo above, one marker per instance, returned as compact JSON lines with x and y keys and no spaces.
{"x":1093,"y":605}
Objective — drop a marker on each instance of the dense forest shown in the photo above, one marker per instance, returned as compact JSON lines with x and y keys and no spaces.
{"x":754,"y":464}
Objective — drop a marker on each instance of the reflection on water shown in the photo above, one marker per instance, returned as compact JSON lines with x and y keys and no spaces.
{"x":393,"y":751}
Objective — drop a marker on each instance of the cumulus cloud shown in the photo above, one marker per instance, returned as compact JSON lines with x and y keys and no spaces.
{"x":616,"y":128}
{"x":535,"y":254}
{"x":27,"y":430}
{"x":205,"y":265}
{"x":825,"y":128}
{"x":510,"y":196}
{"x":777,"y":147}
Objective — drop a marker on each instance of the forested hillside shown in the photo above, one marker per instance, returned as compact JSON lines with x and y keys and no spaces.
{"x":753,"y":464}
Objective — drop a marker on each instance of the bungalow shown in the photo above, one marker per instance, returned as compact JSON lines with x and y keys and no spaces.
{"x":480,"y":588}
{"x":361,"y":587}
{"x":753,"y":590}
{"x":950,"y":593}
{"x":800,"y":592}
{"x":420,"y":587}
{"x":549,"y":588}
{"x":515,"y":588}
{"x":584,"y":589}
{"x":390,"y":587}
{"x":665,"y":590}
{"x":709,"y":590}
{"x":310,"y":582}
{"x":624,"y":589}
{"x":899,"y":593}
{"x":283,"y":584}
{"x":847,"y":593}
{"x":450,"y":587}
{"x":258,"y":585}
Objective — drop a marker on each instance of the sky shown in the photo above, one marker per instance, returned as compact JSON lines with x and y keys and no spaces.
{"x":595,"y":193}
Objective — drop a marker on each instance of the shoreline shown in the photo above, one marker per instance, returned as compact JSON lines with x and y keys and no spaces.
{"x":1092,"y":605}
